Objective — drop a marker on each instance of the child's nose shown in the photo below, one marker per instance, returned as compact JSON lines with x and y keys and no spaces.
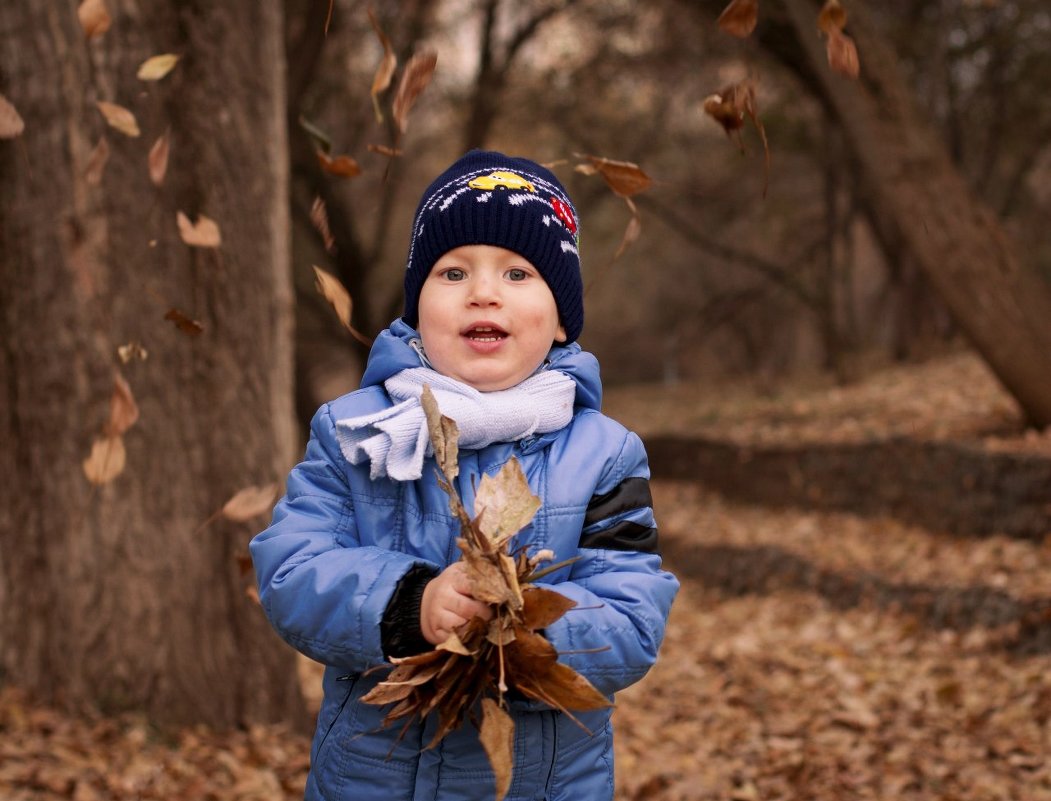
{"x":485,"y":291}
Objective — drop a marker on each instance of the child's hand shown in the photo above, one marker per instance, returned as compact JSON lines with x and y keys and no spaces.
{"x":447,"y":604}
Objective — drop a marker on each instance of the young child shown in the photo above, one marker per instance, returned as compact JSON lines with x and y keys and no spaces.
{"x":360,"y":562}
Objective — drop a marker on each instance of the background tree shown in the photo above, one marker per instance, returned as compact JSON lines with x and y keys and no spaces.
{"x":119,"y":596}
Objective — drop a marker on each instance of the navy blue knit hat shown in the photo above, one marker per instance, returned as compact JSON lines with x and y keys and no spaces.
{"x":487,"y":198}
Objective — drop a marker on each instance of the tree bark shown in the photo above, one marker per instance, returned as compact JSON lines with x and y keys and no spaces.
{"x":122,"y":596}
{"x":999,"y":302}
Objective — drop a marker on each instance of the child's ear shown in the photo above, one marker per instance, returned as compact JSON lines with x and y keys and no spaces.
{"x":560,"y":333}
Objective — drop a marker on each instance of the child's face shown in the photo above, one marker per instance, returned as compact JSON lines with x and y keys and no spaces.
{"x":487,"y":317}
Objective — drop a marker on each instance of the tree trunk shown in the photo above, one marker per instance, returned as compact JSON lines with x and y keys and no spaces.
{"x":956,"y":240}
{"x":119,"y":596}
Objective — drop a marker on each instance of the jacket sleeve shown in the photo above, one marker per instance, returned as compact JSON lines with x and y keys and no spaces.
{"x":323,"y":591}
{"x":623,"y":596}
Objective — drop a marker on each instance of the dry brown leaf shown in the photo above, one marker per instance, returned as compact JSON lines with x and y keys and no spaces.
{"x":133,"y":350}
{"x":156,"y":67}
{"x":739,"y":18}
{"x":250,"y":502}
{"x":842,"y":54}
{"x":444,"y":435}
{"x":319,"y":216}
{"x":840,"y":49}
{"x":343,"y":166}
{"x":106,"y":460}
{"x":383,"y":150}
{"x":119,"y":117}
{"x":631,"y":234}
{"x":414,"y":80}
{"x":497,"y":734}
{"x":158,"y":158}
{"x":730,"y":107}
{"x":336,"y":295}
{"x":184,"y":323}
{"x":11,"y":123}
{"x":94,"y":18}
{"x":202,"y":234}
{"x":623,"y":177}
{"x":454,"y":645}
{"x":385,"y":70}
{"x":832,"y":17}
{"x":504,"y":503}
{"x":123,"y":411}
{"x":97,"y":162}
{"x":541,"y":607}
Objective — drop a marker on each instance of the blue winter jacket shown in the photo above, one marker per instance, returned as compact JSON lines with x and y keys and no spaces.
{"x":340,"y":543}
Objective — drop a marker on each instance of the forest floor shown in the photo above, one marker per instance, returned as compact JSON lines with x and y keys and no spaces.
{"x":809,"y":655}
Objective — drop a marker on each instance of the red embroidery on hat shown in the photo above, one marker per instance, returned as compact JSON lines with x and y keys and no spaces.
{"x":565,"y":214}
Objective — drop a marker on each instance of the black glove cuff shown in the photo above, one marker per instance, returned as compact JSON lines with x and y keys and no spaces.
{"x":400,"y":632}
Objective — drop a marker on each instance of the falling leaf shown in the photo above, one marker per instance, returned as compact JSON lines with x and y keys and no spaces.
{"x":322,"y":138}
{"x":739,"y":18}
{"x":831,"y":17}
{"x":97,"y":162}
{"x":133,"y":350}
{"x":343,"y":166}
{"x":156,"y":67}
{"x":158,"y":158}
{"x":94,"y":18}
{"x":731,"y":107}
{"x":250,"y":502}
{"x":319,"y":216}
{"x":11,"y":123}
{"x":123,"y":411}
{"x":497,"y":735}
{"x":840,"y":49}
{"x":106,"y":461}
{"x":328,"y":15}
{"x":414,"y":80}
{"x":504,"y":504}
{"x":385,"y":70}
{"x":383,"y":150}
{"x":623,"y":177}
{"x":843,"y":54}
{"x":184,"y":323}
{"x":202,"y":234}
{"x":631,"y":234}
{"x":119,"y":117}
{"x":336,"y":294}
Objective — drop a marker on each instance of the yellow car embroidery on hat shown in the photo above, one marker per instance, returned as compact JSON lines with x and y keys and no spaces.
{"x":501,"y":180}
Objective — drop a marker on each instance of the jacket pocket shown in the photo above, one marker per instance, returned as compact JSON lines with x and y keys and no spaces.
{"x":330,"y":713}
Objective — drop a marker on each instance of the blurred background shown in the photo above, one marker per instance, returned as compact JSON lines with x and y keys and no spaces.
{"x":163,"y":343}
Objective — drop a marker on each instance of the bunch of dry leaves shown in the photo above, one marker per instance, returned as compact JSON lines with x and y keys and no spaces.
{"x":487,"y":659}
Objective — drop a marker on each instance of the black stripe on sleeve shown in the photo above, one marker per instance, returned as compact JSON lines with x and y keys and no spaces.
{"x":622,"y":536}
{"x":629,"y":494}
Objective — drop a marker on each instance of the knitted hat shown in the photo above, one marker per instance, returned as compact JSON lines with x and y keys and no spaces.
{"x":487,"y":198}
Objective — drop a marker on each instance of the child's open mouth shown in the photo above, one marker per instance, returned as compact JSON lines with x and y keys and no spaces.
{"x":485,"y":333}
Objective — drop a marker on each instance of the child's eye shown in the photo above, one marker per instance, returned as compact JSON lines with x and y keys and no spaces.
{"x":453,"y":274}
{"x":517,"y":274}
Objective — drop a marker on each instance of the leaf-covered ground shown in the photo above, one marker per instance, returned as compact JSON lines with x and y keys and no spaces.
{"x":809,"y":655}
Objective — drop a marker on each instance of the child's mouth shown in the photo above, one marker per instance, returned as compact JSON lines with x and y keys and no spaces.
{"x":485,"y":333}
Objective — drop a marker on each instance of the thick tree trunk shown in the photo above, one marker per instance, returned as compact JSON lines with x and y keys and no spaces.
{"x":956,"y":240}
{"x":116,"y":597}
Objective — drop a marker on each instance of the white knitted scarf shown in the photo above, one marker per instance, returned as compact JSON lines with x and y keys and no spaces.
{"x":395,"y":440}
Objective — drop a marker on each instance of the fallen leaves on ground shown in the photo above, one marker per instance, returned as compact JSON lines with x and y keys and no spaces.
{"x":808,"y":656}
{"x":955,"y":396}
